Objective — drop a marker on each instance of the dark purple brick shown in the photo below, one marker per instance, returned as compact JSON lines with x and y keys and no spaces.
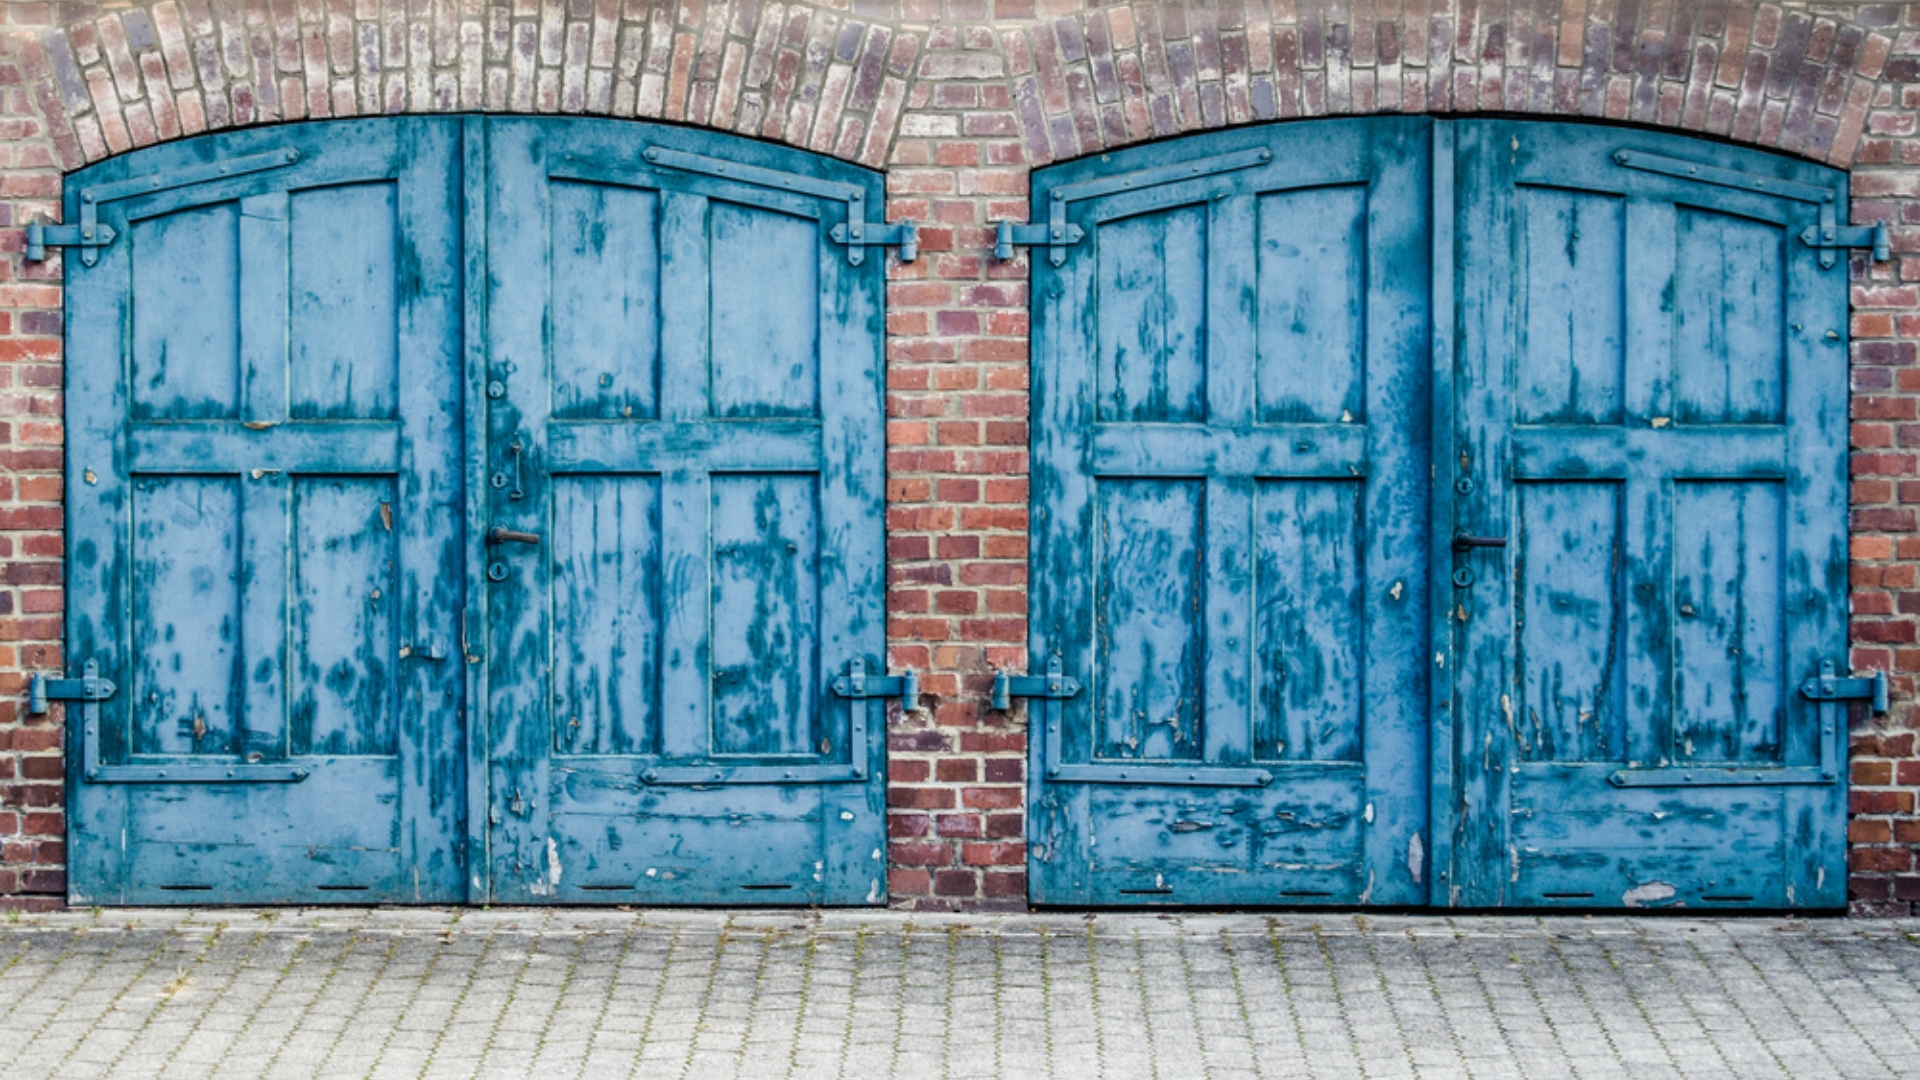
{"x":1625,"y":19}
{"x":66,"y":73}
{"x":1793,"y":47}
{"x":847,"y":45}
{"x":1106,"y":81}
{"x":872,"y":70}
{"x":1073,"y":44}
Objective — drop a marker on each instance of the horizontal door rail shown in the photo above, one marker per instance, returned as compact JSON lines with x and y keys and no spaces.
{"x":1720,"y":777}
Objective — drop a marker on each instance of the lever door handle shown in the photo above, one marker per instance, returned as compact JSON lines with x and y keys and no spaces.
{"x":1464,"y":540}
{"x":498,"y":535}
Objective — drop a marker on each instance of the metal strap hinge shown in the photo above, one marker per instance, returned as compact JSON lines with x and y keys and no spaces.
{"x":1054,"y":684}
{"x":856,"y":683}
{"x":41,"y":690}
{"x":1059,"y":235}
{"x":90,"y":236}
{"x":903,"y":235}
{"x":1829,"y":685}
{"x":1008,"y":234}
{"x":1827,"y":237}
{"x":857,"y":233}
{"x":40,"y":237}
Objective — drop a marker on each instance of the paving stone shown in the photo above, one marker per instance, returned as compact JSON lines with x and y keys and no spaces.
{"x":509,"y":993}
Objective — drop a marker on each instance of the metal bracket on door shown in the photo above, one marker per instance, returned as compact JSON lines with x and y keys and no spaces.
{"x":1059,"y":235}
{"x":90,"y":236}
{"x":1827,"y":237}
{"x":1054,"y":684}
{"x":857,"y":234}
{"x":91,"y":687}
{"x":90,"y":690}
{"x":856,"y":683}
{"x":1830,"y":686}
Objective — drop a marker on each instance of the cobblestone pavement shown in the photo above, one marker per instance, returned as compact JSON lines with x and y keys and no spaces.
{"x":673,"y":995}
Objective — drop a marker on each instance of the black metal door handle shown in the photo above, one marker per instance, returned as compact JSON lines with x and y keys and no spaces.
{"x":498,"y":535}
{"x":1464,"y":540}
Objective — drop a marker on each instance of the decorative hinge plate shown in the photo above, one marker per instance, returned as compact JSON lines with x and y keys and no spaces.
{"x":1054,"y":684}
{"x":857,"y":234}
{"x":1829,"y":685}
{"x":1059,"y":235}
{"x":1826,"y":238}
{"x":856,"y":683}
{"x":90,"y":236}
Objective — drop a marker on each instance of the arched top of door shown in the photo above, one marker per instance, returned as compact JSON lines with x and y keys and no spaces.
{"x":885,"y":82}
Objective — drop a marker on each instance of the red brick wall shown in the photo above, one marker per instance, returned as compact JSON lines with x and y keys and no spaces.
{"x":957,"y":99}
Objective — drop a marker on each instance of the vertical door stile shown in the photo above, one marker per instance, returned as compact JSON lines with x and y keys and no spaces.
{"x":265,"y":495}
{"x":1481,"y":587}
{"x":1817,"y":587}
{"x":1646,"y":491}
{"x":686,"y":497}
{"x":1227,"y":501}
{"x":519,"y":650}
{"x":99,"y":536}
{"x":1061,"y":580}
{"x":1395,"y":500}
{"x":465,"y":624}
{"x":1445,"y":814}
{"x":852,"y":556}
{"x":429,"y":499}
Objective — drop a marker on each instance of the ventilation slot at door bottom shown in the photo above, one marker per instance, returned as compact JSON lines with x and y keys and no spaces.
{"x":1316,"y":895}
{"x":606,"y":888}
{"x":1727,"y":899}
{"x":765,"y":888}
{"x":1146,"y":892}
{"x":343,"y":888}
{"x":186,"y":888}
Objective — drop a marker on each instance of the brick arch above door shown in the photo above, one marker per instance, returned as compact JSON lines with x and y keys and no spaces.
{"x":864,"y":79}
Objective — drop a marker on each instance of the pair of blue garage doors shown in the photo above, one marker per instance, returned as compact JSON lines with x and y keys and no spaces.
{"x":1426,"y":513}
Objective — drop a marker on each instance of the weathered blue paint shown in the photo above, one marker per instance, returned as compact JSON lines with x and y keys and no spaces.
{"x":692,"y":369}
{"x":288,"y":455}
{"x":1635,"y":534}
{"x":1230,"y":531}
{"x":1650,"y":402}
{"x":264,"y":473}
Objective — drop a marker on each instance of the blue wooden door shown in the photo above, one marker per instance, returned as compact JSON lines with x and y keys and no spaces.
{"x":685,"y":443}
{"x":1231,"y":387}
{"x":264,"y":495}
{"x":1650,"y":413}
